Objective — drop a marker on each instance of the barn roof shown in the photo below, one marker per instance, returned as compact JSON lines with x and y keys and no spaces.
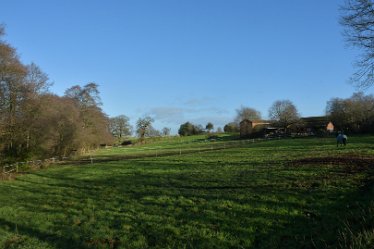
{"x":316,"y":121}
{"x":256,"y":121}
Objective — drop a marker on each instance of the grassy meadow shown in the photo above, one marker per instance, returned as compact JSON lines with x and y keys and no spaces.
{"x":194,"y":193}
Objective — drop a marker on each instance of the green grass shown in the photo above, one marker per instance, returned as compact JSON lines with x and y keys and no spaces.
{"x":296,"y":193}
{"x":168,"y":145}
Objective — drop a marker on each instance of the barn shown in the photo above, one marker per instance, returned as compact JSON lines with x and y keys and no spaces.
{"x":247,"y":127}
{"x":320,"y":124}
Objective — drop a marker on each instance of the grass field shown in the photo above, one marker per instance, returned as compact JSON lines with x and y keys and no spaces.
{"x":293,"y":193}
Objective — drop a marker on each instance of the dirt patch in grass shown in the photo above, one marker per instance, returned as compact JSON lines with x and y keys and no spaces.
{"x":350,"y":163}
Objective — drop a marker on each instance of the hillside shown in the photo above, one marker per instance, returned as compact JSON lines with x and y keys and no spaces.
{"x":195,"y":193}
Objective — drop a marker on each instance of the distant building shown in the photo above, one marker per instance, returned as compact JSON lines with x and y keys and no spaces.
{"x":247,"y":127}
{"x":330,"y":127}
{"x":265,"y":128}
{"x":320,"y":124}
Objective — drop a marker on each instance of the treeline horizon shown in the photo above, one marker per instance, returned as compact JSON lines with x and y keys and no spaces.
{"x":36,"y":123}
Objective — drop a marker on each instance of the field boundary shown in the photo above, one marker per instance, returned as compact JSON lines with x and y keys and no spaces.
{"x":207,"y":146}
{"x":8,"y":170}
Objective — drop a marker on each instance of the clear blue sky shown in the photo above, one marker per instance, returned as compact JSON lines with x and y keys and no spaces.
{"x":187,"y":60}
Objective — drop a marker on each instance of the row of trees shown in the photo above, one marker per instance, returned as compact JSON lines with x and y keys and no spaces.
{"x":120,"y":128}
{"x":358,"y":20}
{"x":37,"y":123}
{"x":189,"y":129}
{"x":283,"y":113}
{"x":354,"y":114}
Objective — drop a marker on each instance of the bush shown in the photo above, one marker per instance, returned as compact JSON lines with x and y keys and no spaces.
{"x":126,"y":143}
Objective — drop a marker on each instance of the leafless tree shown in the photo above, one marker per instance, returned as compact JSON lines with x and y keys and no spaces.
{"x":355,"y":114}
{"x":358,"y":20}
{"x":143,"y":125}
{"x":96,"y":129}
{"x":120,"y":126}
{"x":166,"y":131}
{"x":34,"y":122}
{"x":13,"y":94}
{"x":247,"y":113}
{"x":284,"y":112}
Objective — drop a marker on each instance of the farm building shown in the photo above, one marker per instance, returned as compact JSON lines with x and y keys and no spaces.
{"x":317,"y":124}
{"x":247,"y":127}
{"x":307,"y":126}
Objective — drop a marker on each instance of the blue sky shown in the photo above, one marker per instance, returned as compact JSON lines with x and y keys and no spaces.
{"x":195,"y":60}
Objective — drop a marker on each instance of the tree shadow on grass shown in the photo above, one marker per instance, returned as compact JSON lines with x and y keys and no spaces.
{"x":160,"y":201}
{"x":49,"y":237}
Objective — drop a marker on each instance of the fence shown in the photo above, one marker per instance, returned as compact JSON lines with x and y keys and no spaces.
{"x":176,"y":149}
{"x":18,"y":167}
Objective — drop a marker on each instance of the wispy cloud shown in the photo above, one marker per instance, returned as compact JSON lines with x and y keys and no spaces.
{"x":175,"y":116}
{"x":193,"y":102}
{"x":167,"y":114}
{"x":217,"y":121}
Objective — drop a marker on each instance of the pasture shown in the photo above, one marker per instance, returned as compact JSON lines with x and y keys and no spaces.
{"x":190,"y":193}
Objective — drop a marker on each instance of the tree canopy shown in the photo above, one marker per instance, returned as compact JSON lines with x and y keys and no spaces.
{"x":188,"y":129}
{"x":37,"y":123}
{"x":144,"y":126}
{"x":231,"y":127}
{"x":247,"y":113}
{"x":354,"y":114}
{"x":120,"y":126}
{"x":284,"y":112}
{"x":209,"y":126}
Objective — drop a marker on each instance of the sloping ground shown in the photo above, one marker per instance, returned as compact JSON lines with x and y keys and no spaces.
{"x":269,"y":195}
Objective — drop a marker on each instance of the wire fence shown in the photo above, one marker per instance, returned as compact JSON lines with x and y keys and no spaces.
{"x":176,"y":149}
{"x":180,"y":149}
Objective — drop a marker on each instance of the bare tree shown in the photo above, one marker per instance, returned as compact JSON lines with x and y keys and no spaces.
{"x":152,"y":132}
{"x":355,"y":114}
{"x":166,"y":131}
{"x":358,"y":20}
{"x":247,"y":113}
{"x":35,"y":123}
{"x":2,"y":30}
{"x":284,"y":112}
{"x":37,"y":79}
{"x":95,"y":123}
{"x":143,"y":125}
{"x":13,"y":94}
{"x":120,"y":126}
{"x":57,"y":129}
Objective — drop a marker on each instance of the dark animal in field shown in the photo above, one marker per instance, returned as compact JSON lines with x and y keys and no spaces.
{"x":341,"y":139}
